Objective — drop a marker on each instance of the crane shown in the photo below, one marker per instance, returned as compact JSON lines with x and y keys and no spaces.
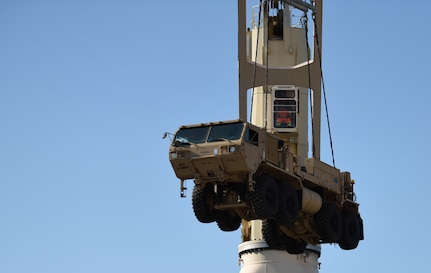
{"x":255,"y":172}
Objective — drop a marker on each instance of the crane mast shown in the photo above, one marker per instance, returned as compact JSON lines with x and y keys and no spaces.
{"x":257,"y":172}
{"x":282,"y":59}
{"x":273,"y":55}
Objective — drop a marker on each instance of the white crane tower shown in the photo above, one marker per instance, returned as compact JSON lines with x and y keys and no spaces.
{"x":257,"y":171}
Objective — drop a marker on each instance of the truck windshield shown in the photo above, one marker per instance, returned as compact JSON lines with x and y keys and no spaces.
{"x":230,"y":131}
{"x":194,"y":135}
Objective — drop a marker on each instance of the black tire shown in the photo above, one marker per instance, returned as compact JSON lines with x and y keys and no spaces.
{"x":350,"y":234}
{"x":227,"y":220}
{"x":276,"y":239}
{"x":294,"y":246}
{"x":328,"y":223}
{"x":288,"y":211}
{"x":272,"y":235}
{"x":265,"y":197}
{"x":203,"y":203}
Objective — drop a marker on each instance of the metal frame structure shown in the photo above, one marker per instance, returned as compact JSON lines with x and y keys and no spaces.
{"x":297,"y":75}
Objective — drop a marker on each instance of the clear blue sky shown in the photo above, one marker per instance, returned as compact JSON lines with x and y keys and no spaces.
{"x":88,"y":87}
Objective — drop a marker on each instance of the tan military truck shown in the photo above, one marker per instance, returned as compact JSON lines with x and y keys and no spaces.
{"x":241,"y":171}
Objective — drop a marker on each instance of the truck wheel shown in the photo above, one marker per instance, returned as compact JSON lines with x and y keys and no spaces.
{"x":272,"y":234}
{"x":350,"y":234}
{"x":288,"y":211}
{"x":203,"y":203}
{"x":227,"y":220}
{"x":265,"y":197}
{"x":328,"y":223}
{"x":276,"y":239}
{"x":294,"y":246}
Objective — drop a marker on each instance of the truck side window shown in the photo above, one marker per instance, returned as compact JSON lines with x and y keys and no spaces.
{"x":252,"y":136}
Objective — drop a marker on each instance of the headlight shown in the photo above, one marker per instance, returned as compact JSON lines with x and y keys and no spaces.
{"x":216,"y":151}
{"x":232,"y":149}
{"x":173,"y":155}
